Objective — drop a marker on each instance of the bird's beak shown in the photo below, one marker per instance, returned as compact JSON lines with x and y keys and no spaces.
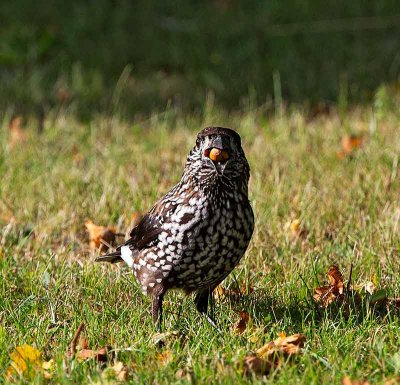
{"x":218,"y":149}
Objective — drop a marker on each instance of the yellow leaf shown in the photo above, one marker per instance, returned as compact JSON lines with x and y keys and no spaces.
{"x":165,"y":357}
{"x":285,"y":345}
{"x":219,"y":293}
{"x":25,"y":360}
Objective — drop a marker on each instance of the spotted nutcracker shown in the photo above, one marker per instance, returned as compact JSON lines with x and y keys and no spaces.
{"x":197,"y":233}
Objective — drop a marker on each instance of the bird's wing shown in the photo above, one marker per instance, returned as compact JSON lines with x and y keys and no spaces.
{"x":146,"y":231}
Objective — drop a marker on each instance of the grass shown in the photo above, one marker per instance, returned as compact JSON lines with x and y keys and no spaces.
{"x":107,"y":170}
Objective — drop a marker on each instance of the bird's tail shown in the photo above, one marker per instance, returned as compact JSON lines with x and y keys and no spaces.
{"x":112,"y":257}
{"x":123,"y":253}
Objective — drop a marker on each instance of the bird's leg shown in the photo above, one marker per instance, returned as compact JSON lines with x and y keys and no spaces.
{"x":158,"y":296}
{"x":201,"y":301}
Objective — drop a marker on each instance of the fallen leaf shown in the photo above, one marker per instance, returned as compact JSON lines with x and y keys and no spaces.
{"x":75,"y":340}
{"x":100,"y":236}
{"x":84,"y":353}
{"x":325,"y":295}
{"x":349,"y":144}
{"x":25,"y":361}
{"x":369,"y":287}
{"x":220,"y":293}
{"x":283,"y":345}
{"x":348,"y":381}
{"x":165,"y":357}
{"x":162,"y":338}
{"x":17,"y":133}
{"x":336,"y":279}
{"x":295,"y":229}
{"x":118,"y":371}
{"x":48,"y":367}
{"x":269,"y":356}
{"x":184,"y":374}
{"x":241,"y":325}
{"x":253,"y":364}
{"x":100,"y":355}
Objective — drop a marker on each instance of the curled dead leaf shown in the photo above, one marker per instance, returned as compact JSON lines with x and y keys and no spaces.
{"x":325,"y":295}
{"x":119,"y":371}
{"x":241,"y":325}
{"x":100,"y":355}
{"x":269,"y":356}
{"x":100,"y":236}
{"x":283,"y":345}
{"x":369,"y":287}
{"x":253,"y":364}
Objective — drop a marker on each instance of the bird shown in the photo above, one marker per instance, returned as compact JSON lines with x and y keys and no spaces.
{"x":194,"y":236}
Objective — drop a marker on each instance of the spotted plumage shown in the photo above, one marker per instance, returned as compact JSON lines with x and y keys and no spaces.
{"x":197,"y":233}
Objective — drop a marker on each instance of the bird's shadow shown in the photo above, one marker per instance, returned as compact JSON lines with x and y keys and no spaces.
{"x":266,"y":310}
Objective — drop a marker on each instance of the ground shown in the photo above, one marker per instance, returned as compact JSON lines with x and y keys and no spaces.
{"x":313,"y":207}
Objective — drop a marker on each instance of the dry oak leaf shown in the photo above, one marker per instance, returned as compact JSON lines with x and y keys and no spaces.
{"x":241,"y":325}
{"x":325,"y":295}
{"x":348,"y":381}
{"x":100,"y":236}
{"x":26,"y":361}
{"x":268,"y":356}
{"x":284,"y":345}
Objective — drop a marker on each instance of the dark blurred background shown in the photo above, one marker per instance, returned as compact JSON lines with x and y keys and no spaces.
{"x":133,"y":57}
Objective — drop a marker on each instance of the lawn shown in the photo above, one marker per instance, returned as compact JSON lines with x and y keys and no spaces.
{"x":313,"y":208}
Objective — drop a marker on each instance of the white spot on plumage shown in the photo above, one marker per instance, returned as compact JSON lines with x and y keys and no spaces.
{"x":126,"y":255}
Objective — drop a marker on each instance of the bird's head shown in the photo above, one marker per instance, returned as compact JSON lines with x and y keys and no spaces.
{"x":218,"y":157}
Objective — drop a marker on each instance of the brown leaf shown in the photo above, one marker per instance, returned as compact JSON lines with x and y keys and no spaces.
{"x":284,"y":345}
{"x":17,"y":133}
{"x":348,"y":381}
{"x":336,"y":279}
{"x":75,"y":339}
{"x":100,"y":236}
{"x":121,"y":371}
{"x":220,"y":293}
{"x":325,"y":295}
{"x":100,"y":355}
{"x":349,"y":144}
{"x":184,"y":374}
{"x":241,"y":325}
{"x":253,"y":364}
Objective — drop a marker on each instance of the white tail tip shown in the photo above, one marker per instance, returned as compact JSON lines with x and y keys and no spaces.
{"x":126,"y":255}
